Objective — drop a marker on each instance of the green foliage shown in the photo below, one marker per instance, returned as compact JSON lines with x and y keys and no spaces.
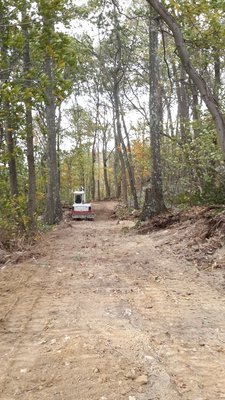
{"x":191,"y":169}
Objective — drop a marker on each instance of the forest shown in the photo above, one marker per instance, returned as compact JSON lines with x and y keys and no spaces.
{"x":125,"y":98}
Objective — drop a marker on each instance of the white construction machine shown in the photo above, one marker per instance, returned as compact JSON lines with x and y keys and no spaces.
{"x":81,"y":210}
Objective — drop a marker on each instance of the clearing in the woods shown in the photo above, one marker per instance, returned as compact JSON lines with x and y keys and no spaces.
{"x":106,"y":314}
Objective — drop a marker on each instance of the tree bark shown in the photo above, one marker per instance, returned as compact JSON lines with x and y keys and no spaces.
{"x":116,"y":166}
{"x":129,"y":164}
{"x":183,"y":107}
{"x":58,"y":127}
{"x":119,"y":140}
{"x":217,"y":73}
{"x":53,"y":212}
{"x":105,"y":171}
{"x":93,"y":151}
{"x":29,"y":126}
{"x":154,"y":202}
{"x":93,"y":160}
{"x":206,"y":94}
{"x":6,"y":109}
{"x":11,"y":157}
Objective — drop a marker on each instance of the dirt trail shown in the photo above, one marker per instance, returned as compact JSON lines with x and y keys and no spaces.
{"x":106,"y":315}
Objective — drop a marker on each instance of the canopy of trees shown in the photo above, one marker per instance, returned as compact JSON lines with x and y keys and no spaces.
{"x":126,"y":100}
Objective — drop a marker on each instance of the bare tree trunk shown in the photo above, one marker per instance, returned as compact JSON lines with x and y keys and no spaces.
{"x":120,"y":140}
{"x":128,"y":159}
{"x":116,"y":163}
{"x":206,"y":94}
{"x":154,"y":202}
{"x":183,"y":127}
{"x":53,"y":212}
{"x":184,"y":107}
{"x":105,"y":172}
{"x":116,"y":167}
{"x":195,"y":108}
{"x":58,"y":126}
{"x":11,"y":157}
{"x":99,"y":172}
{"x":7,"y":128}
{"x":93,"y":160}
{"x":93,"y":152}
{"x":29,"y":126}
{"x":217,"y":73}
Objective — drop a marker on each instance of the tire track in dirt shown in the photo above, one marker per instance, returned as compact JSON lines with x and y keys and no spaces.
{"x":114,"y":319}
{"x":191,"y":323}
{"x":28,"y":316}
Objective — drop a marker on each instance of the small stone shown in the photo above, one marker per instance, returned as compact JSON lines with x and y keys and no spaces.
{"x":23,"y":370}
{"x":127,"y":312}
{"x":132,"y":398}
{"x":130,"y":375}
{"x":142,"y":379}
{"x":148,"y":306}
{"x":149,"y":358}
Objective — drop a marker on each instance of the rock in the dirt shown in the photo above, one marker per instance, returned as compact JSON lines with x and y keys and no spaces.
{"x":130,"y":375}
{"x":142,"y":379}
{"x":132,"y":398}
{"x":136,"y":213}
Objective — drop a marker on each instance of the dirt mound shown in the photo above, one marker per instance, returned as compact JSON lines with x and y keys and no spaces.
{"x":197,"y":234}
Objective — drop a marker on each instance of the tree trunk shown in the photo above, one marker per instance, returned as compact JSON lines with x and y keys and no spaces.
{"x":206,"y":94}
{"x":105,"y":171}
{"x":93,"y":160}
{"x":11,"y":157}
{"x":99,"y":172}
{"x":195,"y":108}
{"x":58,"y":126}
{"x":154,"y":202}
{"x":183,"y":107}
{"x":53,"y":212}
{"x":53,"y":208}
{"x":93,"y":152}
{"x":119,"y":141}
{"x":217,"y":73}
{"x":129,"y":164}
{"x":6,"y":122}
{"x":116,"y":163}
{"x":183,"y":125}
{"x":29,"y":126}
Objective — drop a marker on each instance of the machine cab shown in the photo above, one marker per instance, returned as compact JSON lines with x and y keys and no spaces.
{"x":79,"y":197}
